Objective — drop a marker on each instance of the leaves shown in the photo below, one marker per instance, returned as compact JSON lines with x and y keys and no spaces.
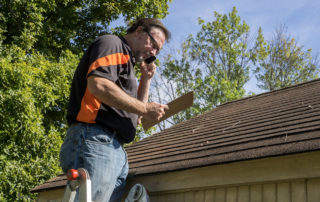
{"x":52,"y":27}
{"x":32,"y":109}
{"x":40,"y":44}
{"x":282,"y":62}
{"x":214,"y":64}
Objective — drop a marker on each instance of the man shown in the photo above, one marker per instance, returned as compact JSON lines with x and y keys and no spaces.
{"x":105,"y":105}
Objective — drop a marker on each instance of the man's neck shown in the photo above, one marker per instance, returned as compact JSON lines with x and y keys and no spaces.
{"x":129,"y":39}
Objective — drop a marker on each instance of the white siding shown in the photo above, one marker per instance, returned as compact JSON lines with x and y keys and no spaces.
{"x":307,"y":190}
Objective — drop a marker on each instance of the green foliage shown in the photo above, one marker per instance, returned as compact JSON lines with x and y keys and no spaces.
{"x":57,"y":25}
{"x":33,"y":98}
{"x":222,"y":48}
{"x":214,"y":64}
{"x":281,"y":62}
{"x":40,"y":41}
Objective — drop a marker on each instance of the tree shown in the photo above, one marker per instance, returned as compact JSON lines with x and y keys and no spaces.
{"x":223,"y":48}
{"x":57,"y":25}
{"x":177,"y":76}
{"x":40,"y":45}
{"x":282,"y":62}
{"x":33,"y":99}
{"x":215,"y":64}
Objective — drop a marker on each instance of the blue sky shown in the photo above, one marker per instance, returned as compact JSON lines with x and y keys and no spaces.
{"x":302,"y":18}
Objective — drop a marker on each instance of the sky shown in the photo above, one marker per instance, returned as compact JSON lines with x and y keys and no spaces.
{"x":301,"y":17}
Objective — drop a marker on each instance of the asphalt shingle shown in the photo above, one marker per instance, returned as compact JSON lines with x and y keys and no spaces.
{"x":281,"y":122}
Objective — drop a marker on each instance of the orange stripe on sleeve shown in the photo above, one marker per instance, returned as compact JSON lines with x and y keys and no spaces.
{"x":113,"y":59}
{"x":90,"y":106}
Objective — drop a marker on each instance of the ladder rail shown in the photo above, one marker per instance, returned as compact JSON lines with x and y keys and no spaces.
{"x":78,"y":180}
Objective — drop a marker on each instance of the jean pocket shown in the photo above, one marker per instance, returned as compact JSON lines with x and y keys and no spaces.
{"x":100,"y":139}
{"x":98,"y":135}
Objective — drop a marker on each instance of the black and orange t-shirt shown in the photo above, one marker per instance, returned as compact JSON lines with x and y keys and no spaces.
{"x":109,"y":57}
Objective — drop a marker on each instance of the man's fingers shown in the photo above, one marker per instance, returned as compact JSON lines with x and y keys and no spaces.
{"x":162,"y":111}
{"x":151,"y":66}
{"x":157,"y":110}
{"x":165,"y":107}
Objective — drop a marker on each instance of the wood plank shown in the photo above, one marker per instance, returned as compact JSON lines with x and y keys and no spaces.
{"x":269,"y":193}
{"x":283,"y":192}
{"x":51,"y":195}
{"x":169,"y":198}
{"x":189,"y":196}
{"x":231,"y":195}
{"x":256,"y":193}
{"x":179,"y":197}
{"x":155,"y":198}
{"x":175,"y":106}
{"x":243,"y":194}
{"x":209,"y":195}
{"x":313,"y":190}
{"x":220,"y":195}
{"x":199,"y":196}
{"x":298,"y":191}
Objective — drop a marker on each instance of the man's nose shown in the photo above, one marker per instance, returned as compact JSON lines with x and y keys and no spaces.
{"x":153,"y":52}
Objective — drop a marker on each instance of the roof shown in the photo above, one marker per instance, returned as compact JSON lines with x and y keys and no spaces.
{"x":54,"y":183}
{"x":285,"y":121}
{"x":280,"y":122}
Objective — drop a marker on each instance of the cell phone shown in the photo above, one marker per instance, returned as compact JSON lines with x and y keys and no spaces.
{"x":150,"y":59}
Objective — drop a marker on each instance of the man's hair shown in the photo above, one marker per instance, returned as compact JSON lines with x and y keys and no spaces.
{"x":147,"y":24}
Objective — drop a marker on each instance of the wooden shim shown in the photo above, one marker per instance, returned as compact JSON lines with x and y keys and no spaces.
{"x":175,"y":106}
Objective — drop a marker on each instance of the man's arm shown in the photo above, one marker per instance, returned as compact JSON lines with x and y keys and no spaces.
{"x":143,"y":90}
{"x":147,"y":72}
{"x":110,"y":94}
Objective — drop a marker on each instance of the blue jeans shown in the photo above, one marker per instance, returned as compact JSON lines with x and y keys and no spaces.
{"x":96,"y":149}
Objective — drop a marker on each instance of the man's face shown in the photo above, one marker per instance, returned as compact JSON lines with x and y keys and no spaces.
{"x":148,"y":43}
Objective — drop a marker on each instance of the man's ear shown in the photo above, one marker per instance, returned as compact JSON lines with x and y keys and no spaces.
{"x":139,"y":29}
{"x":138,"y":32}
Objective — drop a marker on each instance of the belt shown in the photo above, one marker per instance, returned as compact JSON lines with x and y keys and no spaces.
{"x":118,"y":137}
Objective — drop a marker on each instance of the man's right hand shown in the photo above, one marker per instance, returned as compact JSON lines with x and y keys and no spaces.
{"x":154,"y":110}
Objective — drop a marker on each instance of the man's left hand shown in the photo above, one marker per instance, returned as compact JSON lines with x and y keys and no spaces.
{"x":147,"y":70}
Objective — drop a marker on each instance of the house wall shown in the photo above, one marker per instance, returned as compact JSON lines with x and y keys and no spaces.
{"x":293,"y":178}
{"x":55,"y":195}
{"x":291,"y":191}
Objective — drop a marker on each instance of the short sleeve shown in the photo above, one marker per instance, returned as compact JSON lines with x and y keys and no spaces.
{"x":106,"y":57}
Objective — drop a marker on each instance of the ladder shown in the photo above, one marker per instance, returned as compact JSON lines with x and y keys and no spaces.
{"x":80,"y":179}
{"x":138,"y":193}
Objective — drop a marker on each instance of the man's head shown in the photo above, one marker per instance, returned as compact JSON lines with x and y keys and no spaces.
{"x":147,"y":37}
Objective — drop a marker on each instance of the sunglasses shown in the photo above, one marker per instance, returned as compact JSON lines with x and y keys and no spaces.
{"x":154,"y":42}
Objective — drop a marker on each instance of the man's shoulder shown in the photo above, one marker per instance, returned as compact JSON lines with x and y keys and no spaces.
{"x":109,"y":39}
{"x":109,"y":44}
